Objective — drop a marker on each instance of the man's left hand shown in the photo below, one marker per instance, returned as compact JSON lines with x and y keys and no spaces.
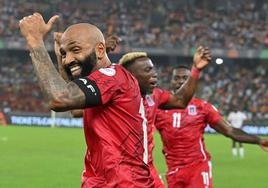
{"x":34,"y":28}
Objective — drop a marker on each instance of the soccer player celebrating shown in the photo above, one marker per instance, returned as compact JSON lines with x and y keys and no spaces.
{"x":110,"y":42}
{"x":182,"y":135}
{"x":141,"y":66}
{"x":114,"y":122}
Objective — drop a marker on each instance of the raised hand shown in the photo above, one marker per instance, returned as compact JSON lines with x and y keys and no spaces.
{"x":34,"y":29}
{"x":202,"y":58}
{"x":111,"y":43}
{"x":57,"y":38}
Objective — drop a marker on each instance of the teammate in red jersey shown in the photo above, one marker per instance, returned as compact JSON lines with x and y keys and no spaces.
{"x":141,"y":66}
{"x":183,"y":143}
{"x":114,"y":122}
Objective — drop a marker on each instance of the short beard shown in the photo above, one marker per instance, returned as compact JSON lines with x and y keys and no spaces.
{"x":86,"y":65}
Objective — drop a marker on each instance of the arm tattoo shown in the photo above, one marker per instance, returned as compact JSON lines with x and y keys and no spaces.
{"x":52,"y":84}
{"x":49,"y":79}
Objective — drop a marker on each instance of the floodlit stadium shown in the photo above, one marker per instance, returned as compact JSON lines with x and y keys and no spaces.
{"x":44,"y":148}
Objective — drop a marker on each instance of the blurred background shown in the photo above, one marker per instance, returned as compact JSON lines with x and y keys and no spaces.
{"x":236,"y":31}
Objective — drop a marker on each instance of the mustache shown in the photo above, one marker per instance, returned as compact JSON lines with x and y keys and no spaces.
{"x":73,"y":63}
{"x":67,"y":69}
{"x":86,"y":66}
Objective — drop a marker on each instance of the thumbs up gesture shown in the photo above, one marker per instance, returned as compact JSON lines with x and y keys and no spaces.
{"x":34,"y":29}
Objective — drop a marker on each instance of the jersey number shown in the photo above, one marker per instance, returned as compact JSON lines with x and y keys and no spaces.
{"x":176,"y":120}
{"x":205,"y":178}
{"x":144,"y":128}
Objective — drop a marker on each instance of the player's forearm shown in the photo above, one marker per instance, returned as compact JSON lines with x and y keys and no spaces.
{"x":241,"y":136}
{"x":186,"y":92}
{"x":77,"y":113}
{"x":61,"y":96}
{"x":49,"y":79}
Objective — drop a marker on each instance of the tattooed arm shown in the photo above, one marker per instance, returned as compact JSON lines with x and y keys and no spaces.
{"x":57,"y":38}
{"x":62,"y":96}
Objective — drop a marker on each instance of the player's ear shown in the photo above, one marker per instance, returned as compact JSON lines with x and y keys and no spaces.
{"x":100,"y":50}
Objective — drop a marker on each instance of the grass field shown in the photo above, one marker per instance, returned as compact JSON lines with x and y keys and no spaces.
{"x":32,"y":157}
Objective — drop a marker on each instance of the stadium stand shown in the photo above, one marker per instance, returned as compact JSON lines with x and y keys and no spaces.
{"x":232,"y":25}
{"x":146,"y":24}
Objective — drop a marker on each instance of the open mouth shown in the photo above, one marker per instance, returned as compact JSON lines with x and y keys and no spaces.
{"x":75,"y":69}
{"x":178,"y":87}
{"x":153,"y":83}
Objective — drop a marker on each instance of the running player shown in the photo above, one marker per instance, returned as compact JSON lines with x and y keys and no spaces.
{"x":182,"y":135}
{"x":141,"y":66}
{"x":114,"y":122}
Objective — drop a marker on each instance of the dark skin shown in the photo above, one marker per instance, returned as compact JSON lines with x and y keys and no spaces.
{"x":62,"y":96}
{"x":111,"y":43}
{"x":144,"y":71}
{"x":180,"y":76}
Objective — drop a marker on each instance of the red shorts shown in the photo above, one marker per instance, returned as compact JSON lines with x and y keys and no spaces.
{"x":158,"y":182}
{"x":195,"y":176}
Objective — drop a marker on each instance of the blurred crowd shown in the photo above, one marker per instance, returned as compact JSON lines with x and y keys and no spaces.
{"x":242,"y":84}
{"x":19,"y":90}
{"x":231,"y":24}
{"x":238,"y":85}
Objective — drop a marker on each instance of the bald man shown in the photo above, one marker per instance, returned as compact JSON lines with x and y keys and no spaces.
{"x":114,"y":120}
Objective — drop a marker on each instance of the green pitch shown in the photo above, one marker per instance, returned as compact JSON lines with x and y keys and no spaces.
{"x":33,"y":157}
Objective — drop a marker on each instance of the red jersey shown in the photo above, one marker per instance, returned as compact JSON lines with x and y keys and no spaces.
{"x":151,"y":104}
{"x":115,"y":131}
{"x":182,"y":133}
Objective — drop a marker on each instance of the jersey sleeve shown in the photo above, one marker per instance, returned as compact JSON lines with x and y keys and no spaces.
{"x":159,"y":119}
{"x":213,"y":115}
{"x":99,"y":87}
{"x":164,"y":97}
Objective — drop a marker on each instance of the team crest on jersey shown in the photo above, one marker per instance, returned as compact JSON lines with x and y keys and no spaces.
{"x":149,"y":100}
{"x":107,"y":71}
{"x":192,"y":110}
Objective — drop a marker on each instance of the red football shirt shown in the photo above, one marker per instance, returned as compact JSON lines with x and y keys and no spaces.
{"x":115,"y":130}
{"x":182,"y":132}
{"x":151,"y":104}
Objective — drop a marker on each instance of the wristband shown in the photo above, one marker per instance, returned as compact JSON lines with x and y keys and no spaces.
{"x":195,"y":72}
